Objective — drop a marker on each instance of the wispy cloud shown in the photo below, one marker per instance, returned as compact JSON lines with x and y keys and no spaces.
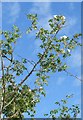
{"x":14,"y":11}
{"x":43,"y":10}
{"x":44,"y":13}
{"x":60,"y":80}
{"x":71,"y":6}
{"x":72,"y":21}
{"x":69,"y":25}
{"x":40,"y":8}
{"x":75,"y":59}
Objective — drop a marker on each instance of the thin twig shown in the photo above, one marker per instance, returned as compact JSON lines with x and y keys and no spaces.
{"x":26,"y":59}
{"x":73,"y":75}
{"x":33,"y":68}
{"x":13,"y":116}
{"x":9,"y":103}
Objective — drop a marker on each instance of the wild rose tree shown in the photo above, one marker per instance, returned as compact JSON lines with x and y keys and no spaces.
{"x":16,"y":97}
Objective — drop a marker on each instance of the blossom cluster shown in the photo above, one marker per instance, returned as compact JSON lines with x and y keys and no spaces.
{"x":60,"y":16}
{"x":63,"y":37}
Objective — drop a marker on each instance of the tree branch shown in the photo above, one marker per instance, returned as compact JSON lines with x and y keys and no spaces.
{"x":3,"y":81}
{"x":31,"y":62}
{"x":35,"y":65}
{"x":14,"y":115}
{"x":32,"y":68}
{"x":25,"y":78}
{"x":9,"y":103}
{"x":7,"y":58}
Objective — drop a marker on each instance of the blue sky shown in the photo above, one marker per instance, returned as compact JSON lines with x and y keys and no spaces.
{"x":60,"y":84}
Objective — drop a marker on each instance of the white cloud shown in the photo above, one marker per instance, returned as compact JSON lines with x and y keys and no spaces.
{"x":70,"y":23}
{"x":44,"y":10}
{"x":41,"y":8}
{"x":60,"y":80}
{"x":71,"y":6}
{"x":14,"y":11}
{"x":75,"y":59}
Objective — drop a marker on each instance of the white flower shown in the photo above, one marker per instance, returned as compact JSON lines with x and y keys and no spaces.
{"x":41,"y":88}
{"x":37,"y":100}
{"x":68,"y":50}
{"x":63,"y":17}
{"x":63,"y":37}
{"x":33,"y":100}
{"x":55,"y":16}
{"x":29,"y":90}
